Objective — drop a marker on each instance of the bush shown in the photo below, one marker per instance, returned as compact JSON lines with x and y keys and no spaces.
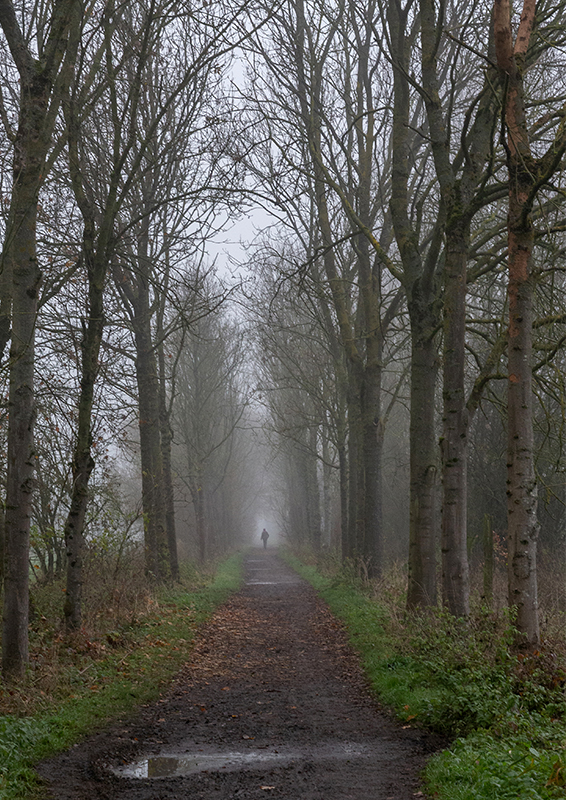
{"x":461,"y":679}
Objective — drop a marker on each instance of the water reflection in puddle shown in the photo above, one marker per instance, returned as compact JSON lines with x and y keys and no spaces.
{"x":168,"y":766}
{"x":264,"y":583}
{"x":283,"y":581}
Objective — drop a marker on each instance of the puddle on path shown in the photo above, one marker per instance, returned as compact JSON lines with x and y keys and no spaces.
{"x":168,"y":765}
{"x":279,"y":581}
{"x":265,"y":583}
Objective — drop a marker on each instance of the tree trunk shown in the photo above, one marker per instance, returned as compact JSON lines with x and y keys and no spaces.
{"x":522,"y":518}
{"x":20,"y":259}
{"x":372,"y":427}
{"x":343,"y":468}
{"x":166,"y":439}
{"x":355,"y":473}
{"x":19,"y":489}
{"x":488,"y":560}
{"x":83,"y":462}
{"x":455,"y":569}
{"x":2,"y":541}
{"x":328,"y":490}
{"x":153,"y":494}
{"x":200,"y":522}
{"x":420,"y":285}
{"x":423,"y":535}
{"x":459,"y":203}
{"x":523,"y":171}
{"x":313,"y":491}
{"x":38,"y":78}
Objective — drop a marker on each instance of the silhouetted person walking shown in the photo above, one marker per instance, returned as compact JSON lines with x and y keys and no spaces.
{"x":264,"y":538}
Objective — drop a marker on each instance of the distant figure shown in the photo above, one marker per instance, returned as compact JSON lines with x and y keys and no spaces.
{"x":264,"y":538}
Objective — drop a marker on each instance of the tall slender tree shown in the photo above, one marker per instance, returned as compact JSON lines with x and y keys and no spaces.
{"x":43,"y":76}
{"x":528,"y":175}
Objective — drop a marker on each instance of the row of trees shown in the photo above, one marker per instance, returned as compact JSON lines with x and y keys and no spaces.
{"x":118,"y":130}
{"x":408,"y":154}
{"x":412,"y":152}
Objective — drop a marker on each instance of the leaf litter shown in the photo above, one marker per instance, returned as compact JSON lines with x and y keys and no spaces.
{"x":272,"y":701}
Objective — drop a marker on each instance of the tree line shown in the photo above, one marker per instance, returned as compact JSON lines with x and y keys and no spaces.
{"x":410,"y":158}
{"x":414,"y":153}
{"x":116,"y":170}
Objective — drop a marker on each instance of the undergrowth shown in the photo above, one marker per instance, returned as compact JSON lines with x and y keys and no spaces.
{"x":104,"y":671}
{"x":503,"y":712}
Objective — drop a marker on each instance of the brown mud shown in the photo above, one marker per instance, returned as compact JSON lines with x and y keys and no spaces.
{"x":272,"y":704}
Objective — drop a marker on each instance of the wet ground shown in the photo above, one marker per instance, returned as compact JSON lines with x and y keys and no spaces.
{"x":272,"y":705}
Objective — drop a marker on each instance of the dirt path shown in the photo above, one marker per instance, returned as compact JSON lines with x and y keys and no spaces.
{"x":272,"y":705}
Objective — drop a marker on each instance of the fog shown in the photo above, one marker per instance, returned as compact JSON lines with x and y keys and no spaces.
{"x":226,"y":303}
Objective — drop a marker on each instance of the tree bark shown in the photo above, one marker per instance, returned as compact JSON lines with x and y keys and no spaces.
{"x":353,"y":546}
{"x":421,"y":289}
{"x":372,"y":427}
{"x":83,"y":462}
{"x":459,"y":201}
{"x":488,"y":560}
{"x":313,"y":490}
{"x":153,"y":493}
{"x":166,"y":439}
{"x":455,"y":568}
{"x":200,"y":521}
{"x":19,"y":488}
{"x":343,"y":470}
{"x":95,"y":260}
{"x":423,"y":534}
{"x":523,"y":170}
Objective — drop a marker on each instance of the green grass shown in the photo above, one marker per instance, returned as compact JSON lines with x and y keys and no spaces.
{"x":146,"y":658}
{"x":504,"y":713}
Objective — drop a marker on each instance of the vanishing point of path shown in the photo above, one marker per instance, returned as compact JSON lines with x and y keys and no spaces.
{"x":271,"y":705}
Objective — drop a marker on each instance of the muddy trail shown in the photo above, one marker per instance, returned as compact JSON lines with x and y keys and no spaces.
{"x":272,"y":705}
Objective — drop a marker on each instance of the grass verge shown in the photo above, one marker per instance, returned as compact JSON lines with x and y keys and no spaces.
{"x":103,"y":680}
{"x":504,"y":713}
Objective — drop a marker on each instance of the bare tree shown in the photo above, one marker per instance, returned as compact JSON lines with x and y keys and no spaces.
{"x":43,"y":75}
{"x":528,"y":175}
{"x":319,"y":114}
{"x":134,"y":204}
{"x":208,"y":406}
